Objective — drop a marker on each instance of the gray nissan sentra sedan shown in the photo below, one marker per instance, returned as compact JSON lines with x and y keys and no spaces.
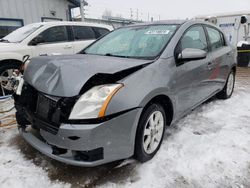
{"x":114,"y":99}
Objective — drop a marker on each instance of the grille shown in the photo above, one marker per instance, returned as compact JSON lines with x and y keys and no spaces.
{"x":44,"y":111}
{"x":47,"y":113}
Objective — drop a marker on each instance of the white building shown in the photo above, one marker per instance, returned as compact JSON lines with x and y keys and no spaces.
{"x":16,"y":13}
{"x":231,"y":24}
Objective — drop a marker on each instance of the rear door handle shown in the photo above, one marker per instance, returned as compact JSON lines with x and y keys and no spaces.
{"x":68,"y":47}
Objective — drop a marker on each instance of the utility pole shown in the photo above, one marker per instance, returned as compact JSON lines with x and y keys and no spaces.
{"x":137,"y":14}
{"x":131,"y":14}
{"x":82,"y":9}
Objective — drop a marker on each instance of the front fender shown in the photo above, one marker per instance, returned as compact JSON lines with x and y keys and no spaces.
{"x":11,"y":56}
{"x":142,"y":86}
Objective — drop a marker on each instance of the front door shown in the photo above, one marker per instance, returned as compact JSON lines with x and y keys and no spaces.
{"x":53,"y":41}
{"x":192,"y":76}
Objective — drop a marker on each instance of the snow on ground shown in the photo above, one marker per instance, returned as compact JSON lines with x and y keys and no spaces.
{"x":208,"y":148}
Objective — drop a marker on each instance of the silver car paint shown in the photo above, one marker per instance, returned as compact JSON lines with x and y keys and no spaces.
{"x":186,"y":86}
{"x":64,"y":76}
{"x":111,"y":135}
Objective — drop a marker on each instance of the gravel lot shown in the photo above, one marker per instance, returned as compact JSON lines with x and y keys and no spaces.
{"x":207,"y":148}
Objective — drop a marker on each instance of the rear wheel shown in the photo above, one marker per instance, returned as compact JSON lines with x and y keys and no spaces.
{"x":150,"y":132}
{"x":7,"y":72}
{"x":228,"y":88}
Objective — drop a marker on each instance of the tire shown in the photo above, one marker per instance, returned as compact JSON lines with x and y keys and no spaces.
{"x":228,"y":89}
{"x":3,"y":68}
{"x":144,"y":151}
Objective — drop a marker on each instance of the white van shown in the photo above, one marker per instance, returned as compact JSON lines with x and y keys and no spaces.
{"x":44,"y":39}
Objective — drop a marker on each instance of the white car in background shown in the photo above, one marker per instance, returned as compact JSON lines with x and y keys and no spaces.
{"x":43,"y":39}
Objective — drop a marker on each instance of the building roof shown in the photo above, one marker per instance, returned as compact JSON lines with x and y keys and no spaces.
{"x":77,"y":2}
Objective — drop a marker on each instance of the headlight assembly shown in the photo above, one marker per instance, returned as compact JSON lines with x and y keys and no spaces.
{"x":93,"y":103}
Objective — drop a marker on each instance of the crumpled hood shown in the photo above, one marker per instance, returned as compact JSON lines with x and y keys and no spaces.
{"x":64,"y":76}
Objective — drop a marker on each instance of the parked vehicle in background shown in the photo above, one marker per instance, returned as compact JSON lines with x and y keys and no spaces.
{"x":235,"y":26}
{"x":126,"y":89}
{"x":43,"y":39}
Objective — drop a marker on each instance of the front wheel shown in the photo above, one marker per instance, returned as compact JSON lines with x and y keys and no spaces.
{"x":8,"y":72}
{"x":150,"y":132}
{"x":228,"y":88}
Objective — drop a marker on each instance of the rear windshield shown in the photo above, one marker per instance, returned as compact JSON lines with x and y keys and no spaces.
{"x":134,"y":42}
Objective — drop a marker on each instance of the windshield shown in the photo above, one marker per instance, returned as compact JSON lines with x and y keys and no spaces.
{"x":134,"y":42}
{"x":20,"y":34}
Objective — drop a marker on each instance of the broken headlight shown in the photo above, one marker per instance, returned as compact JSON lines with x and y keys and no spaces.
{"x":94,"y":102}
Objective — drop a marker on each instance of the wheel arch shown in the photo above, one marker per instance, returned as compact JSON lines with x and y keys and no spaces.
{"x":7,"y":61}
{"x":234,"y":69}
{"x":166,"y":103}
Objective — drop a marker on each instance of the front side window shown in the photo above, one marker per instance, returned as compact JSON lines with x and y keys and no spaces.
{"x":215,"y":38}
{"x":134,"y":42}
{"x":83,"y":33}
{"x":54,"y":34}
{"x":194,"y":38}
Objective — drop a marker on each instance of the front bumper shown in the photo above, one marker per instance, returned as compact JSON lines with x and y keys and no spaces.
{"x":108,"y":141}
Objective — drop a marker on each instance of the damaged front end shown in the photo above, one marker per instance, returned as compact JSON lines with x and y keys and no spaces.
{"x":47,"y":112}
{"x":68,"y":131}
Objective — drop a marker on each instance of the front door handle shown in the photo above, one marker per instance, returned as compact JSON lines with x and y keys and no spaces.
{"x":209,"y":65}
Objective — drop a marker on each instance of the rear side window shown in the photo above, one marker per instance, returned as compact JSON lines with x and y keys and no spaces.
{"x":55,"y":34}
{"x":216,"y":38}
{"x":83,"y":33}
{"x":194,"y":38}
{"x":100,"y":31}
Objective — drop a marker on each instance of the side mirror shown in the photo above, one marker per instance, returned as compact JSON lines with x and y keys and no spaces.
{"x":189,"y":54}
{"x":37,"y":40}
{"x":243,"y":19}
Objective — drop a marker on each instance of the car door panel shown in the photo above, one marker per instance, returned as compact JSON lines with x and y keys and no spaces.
{"x":53,"y":49}
{"x":80,"y":45}
{"x":192,"y":78}
{"x":221,"y":55}
{"x":53,"y":41}
{"x":83,"y":36}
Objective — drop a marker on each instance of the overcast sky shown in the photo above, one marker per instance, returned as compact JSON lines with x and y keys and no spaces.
{"x":165,"y":9}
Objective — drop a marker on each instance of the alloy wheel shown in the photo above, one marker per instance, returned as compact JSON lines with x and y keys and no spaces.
{"x":153,"y":132}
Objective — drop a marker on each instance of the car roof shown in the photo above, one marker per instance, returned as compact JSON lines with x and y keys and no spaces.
{"x":177,"y":22}
{"x":56,"y":23}
{"x":162,"y":22}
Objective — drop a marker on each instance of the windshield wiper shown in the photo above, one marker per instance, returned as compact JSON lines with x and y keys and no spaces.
{"x":113,"y":55}
{"x":123,"y":56}
{"x":4,"y":40}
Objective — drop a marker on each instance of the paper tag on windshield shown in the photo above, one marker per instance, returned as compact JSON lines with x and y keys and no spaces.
{"x":157,"y":32}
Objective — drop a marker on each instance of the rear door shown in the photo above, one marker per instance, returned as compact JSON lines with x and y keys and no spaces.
{"x":222,"y":55}
{"x":54,"y":41}
{"x":83,"y":36}
{"x":192,"y":76}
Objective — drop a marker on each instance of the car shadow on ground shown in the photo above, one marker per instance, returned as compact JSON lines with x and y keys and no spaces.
{"x":114,"y":172}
